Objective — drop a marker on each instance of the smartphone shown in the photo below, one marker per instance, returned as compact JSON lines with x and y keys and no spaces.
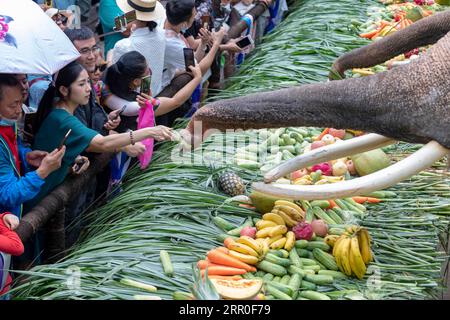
{"x":205,"y":22}
{"x":121,"y":22}
{"x":120,"y":112}
{"x":64,"y":139}
{"x":146,"y":84}
{"x":244,"y":42}
{"x":189,"y":59}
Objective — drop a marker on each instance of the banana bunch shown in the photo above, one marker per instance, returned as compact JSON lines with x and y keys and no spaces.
{"x":352,"y":251}
{"x":248,"y":250}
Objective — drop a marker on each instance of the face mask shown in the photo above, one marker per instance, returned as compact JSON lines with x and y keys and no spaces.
{"x":7,"y":122}
{"x":184,"y":29}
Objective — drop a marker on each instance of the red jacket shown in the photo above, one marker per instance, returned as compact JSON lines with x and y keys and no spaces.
{"x":10,"y":243}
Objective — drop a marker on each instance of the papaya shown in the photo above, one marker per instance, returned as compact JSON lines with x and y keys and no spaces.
{"x":370,"y":162}
{"x":262,"y":202}
{"x":443,"y":2}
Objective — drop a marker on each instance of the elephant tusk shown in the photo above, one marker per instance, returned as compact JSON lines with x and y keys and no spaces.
{"x":338,"y":150}
{"x":418,"y":161}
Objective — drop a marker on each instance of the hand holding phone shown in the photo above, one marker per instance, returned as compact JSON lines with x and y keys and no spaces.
{"x":63,"y":141}
{"x":189,"y":59}
{"x":244,"y":42}
{"x":146,"y":84}
{"x":115,"y":116}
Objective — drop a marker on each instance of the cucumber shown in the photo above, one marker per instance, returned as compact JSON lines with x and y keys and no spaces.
{"x":282,"y":287}
{"x":237,"y":231}
{"x":342,"y":204}
{"x":276,"y":279}
{"x":334,"y":274}
{"x":277,"y":293}
{"x":317,"y":238}
{"x":297,"y":136}
{"x":309,"y":217}
{"x":301,"y":298}
{"x":333,"y":215}
{"x":303,"y":253}
{"x":272,"y":268}
{"x":268,"y":277}
{"x":221,"y":237}
{"x":326,"y":259}
{"x":248,"y":275}
{"x":285,"y":253}
{"x":300,"y":131}
{"x":308,"y":285}
{"x":289,"y":148}
{"x":285,"y":279}
{"x":295,"y":259}
{"x":246,"y":155}
{"x":314,"y":295}
{"x":295,"y":295}
{"x":353,"y":208}
{"x":296,"y":270}
{"x":304,"y":204}
{"x":320,"y":214}
{"x":308,"y":262}
{"x":389,"y":194}
{"x":318,"y":244}
{"x":270,"y":297}
{"x":223,"y":224}
{"x":248,"y":164}
{"x":339,"y":211}
{"x":287,"y":155}
{"x":356,"y":204}
{"x":301,"y":244}
{"x":295,"y":281}
{"x":256,"y":220}
{"x":310,"y":271}
{"x":259,"y":274}
{"x":375,"y":194}
{"x":319,"y":279}
{"x":315,"y":268}
{"x":277,"y":260}
{"x":166,"y":263}
{"x":277,"y":253}
{"x":322,"y":267}
{"x":324,"y":204}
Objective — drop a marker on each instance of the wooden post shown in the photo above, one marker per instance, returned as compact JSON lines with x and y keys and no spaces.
{"x":54,"y":238}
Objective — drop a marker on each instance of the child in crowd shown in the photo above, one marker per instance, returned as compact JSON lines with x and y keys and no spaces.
{"x":10,"y":244}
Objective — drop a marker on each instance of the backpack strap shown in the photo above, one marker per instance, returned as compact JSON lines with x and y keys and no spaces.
{"x":5,"y":263}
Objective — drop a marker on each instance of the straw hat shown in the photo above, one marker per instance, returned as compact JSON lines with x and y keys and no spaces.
{"x":146,"y":10}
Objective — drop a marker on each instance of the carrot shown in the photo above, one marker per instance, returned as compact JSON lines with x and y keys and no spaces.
{"x":359,"y":200}
{"x":403,"y":24}
{"x":219,"y":257}
{"x":225,"y":277}
{"x":247,"y":206}
{"x":369,"y":34}
{"x":223,"y":271}
{"x":223,"y":249}
{"x":373,"y":200}
{"x":203,"y":264}
{"x":228,"y":241}
{"x":375,"y":35}
{"x":333,"y":204}
{"x":324,"y":132}
{"x":383,"y":24}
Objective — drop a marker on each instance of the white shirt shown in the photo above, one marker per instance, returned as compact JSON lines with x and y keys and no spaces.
{"x":242,"y":8}
{"x":173,"y":57}
{"x":152,"y":46}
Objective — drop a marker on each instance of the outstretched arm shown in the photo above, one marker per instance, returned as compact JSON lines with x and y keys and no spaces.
{"x":424,"y":32}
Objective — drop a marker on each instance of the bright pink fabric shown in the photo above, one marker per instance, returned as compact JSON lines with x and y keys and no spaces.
{"x":146,"y":119}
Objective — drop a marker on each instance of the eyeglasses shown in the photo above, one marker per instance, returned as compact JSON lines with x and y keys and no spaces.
{"x":100,"y":68}
{"x":85,"y":51}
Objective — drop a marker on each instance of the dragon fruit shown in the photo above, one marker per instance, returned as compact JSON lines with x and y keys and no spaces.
{"x":326,"y":168}
{"x":412,"y":52}
{"x":303,"y":231}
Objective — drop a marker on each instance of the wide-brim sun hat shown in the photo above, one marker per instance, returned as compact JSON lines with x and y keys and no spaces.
{"x":146,"y":10}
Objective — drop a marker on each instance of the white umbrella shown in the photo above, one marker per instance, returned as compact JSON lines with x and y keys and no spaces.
{"x":31,"y":42}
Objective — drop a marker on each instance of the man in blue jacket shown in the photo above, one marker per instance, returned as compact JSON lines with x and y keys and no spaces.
{"x":22,"y":171}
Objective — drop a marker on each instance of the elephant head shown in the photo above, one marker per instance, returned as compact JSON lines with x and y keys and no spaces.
{"x":409,"y":103}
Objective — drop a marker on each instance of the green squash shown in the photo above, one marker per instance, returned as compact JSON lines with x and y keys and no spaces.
{"x":370,"y":162}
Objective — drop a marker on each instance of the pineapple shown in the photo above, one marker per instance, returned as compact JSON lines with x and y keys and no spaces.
{"x":231,"y":184}
{"x":203,"y":289}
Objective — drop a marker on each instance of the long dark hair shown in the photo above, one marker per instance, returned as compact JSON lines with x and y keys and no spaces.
{"x":65,"y":77}
{"x":118,"y":77}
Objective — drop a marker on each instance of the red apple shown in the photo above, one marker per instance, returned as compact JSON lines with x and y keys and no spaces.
{"x":298,"y":174}
{"x":317,"y":144}
{"x":337,"y":133}
{"x":249,"y":232}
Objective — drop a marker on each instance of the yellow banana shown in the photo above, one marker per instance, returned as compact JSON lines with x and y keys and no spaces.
{"x":279,"y":244}
{"x":288,"y":221}
{"x":344,"y":253}
{"x":357,"y":262}
{"x":243,"y":257}
{"x":336,"y":252}
{"x":273,"y":239}
{"x":278,"y":230}
{"x":263,"y":233}
{"x":331,"y":240}
{"x":289,"y":204}
{"x":352,"y":229}
{"x":273,"y":217}
{"x":292,"y":213}
{"x":252,"y":243}
{"x":265,"y":224}
{"x":290,"y":241}
{"x":242,"y":248}
{"x":364,"y":245}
